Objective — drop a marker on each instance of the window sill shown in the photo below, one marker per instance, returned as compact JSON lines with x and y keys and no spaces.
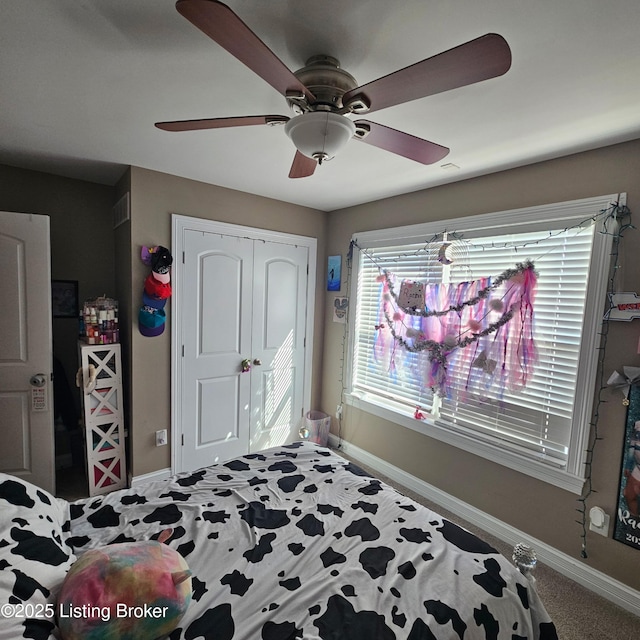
{"x":498,"y":454}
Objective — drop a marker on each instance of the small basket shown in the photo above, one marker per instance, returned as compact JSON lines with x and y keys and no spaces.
{"x":317,"y":426}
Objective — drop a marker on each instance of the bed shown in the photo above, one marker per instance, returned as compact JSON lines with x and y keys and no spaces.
{"x":293,"y":542}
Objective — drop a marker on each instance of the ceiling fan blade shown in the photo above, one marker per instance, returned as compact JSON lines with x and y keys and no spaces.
{"x":302,"y":166}
{"x":400,"y":143}
{"x":220,"y":123}
{"x":485,"y":57}
{"x":223,"y":26}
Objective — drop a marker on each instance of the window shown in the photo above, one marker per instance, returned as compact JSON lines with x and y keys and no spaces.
{"x":542,"y":429}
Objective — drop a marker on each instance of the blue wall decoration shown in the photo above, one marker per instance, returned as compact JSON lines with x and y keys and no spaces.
{"x":333,"y":273}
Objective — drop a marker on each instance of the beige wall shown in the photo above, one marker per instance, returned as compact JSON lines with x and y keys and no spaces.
{"x":154,"y":197}
{"x":541,"y":510}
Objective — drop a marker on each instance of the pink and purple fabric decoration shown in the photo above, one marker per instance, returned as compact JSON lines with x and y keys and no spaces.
{"x":479,"y":331}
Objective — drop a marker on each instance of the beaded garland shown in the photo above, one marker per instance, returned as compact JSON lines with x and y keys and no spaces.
{"x":491,"y":316}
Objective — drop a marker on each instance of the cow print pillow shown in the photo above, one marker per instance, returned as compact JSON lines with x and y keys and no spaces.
{"x":34,"y":558}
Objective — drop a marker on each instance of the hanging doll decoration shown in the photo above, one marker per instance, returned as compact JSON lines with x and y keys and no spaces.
{"x":479,"y":331}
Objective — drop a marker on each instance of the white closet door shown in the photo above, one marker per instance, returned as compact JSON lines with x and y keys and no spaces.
{"x":217,"y":311}
{"x":240,"y":294}
{"x":278,"y":343}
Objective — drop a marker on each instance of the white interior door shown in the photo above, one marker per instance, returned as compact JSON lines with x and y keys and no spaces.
{"x":278,"y":342}
{"x":26,"y":389}
{"x":239,"y":295}
{"x":216,"y":312}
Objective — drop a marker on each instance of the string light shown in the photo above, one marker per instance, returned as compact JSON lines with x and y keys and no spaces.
{"x":620,"y":213}
{"x":438,"y":238}
{"x":345,"y":334}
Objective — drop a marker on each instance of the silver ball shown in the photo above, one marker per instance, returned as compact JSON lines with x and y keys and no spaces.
{"x":524,"y":557}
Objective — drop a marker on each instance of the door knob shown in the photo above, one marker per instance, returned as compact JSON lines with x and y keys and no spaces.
{"x":257,"y":362}
{"x":38,"y":380}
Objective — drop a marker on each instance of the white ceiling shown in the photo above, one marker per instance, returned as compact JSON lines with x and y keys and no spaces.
{"x":83,"y":81}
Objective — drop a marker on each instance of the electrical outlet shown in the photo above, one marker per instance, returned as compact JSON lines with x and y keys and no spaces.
{"x":599,"y":521}
{"x":161,"y":437}
{"x":339,"y":411}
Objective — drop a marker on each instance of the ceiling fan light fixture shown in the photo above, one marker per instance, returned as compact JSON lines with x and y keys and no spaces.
{"x":320,"y":134}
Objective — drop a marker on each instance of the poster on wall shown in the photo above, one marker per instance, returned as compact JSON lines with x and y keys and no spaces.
{"x":333,"y":273}
{"x":627,"y":528}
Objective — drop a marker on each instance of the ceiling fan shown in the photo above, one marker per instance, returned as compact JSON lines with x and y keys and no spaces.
{"x":322,"y":95}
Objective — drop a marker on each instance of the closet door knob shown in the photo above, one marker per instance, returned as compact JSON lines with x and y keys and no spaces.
{"x":257,"y":362}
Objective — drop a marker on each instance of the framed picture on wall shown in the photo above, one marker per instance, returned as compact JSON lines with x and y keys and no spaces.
{"x":627,"y":526}
{"x":333,"y":273}
{"x":64,"y":298}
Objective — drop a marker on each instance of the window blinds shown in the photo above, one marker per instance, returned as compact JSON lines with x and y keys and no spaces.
{"x":534,"y":422}
{"x":400,"y":385}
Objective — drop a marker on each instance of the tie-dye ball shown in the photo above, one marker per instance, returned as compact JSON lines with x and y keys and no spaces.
{"x":129,"y":591}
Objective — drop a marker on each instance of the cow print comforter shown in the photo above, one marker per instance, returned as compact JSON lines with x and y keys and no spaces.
{"x":296,"y":542}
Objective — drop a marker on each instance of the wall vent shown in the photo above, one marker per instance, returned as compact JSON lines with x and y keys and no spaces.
{"x":121,"y":210}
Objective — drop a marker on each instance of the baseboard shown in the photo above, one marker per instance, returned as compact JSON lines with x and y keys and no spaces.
{"x":592,"y":579}
{"x":161,"y":474}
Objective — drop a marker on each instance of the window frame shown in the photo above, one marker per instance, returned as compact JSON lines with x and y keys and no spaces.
{"x":571,"y":477}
